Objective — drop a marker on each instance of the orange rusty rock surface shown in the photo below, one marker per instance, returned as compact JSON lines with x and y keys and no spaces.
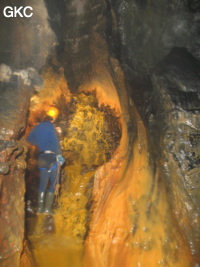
{"x":131,"y":223}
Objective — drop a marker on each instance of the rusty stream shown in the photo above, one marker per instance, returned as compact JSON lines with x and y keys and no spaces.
{"x":112,"y":210}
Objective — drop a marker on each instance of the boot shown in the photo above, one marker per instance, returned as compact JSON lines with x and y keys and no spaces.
{"x":48,"y":203}
{"x":40,"y":202}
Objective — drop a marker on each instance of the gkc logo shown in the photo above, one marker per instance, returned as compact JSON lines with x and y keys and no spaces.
{"x":13,"y":12}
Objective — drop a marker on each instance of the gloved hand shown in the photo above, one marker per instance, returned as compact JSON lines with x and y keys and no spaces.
{"x":60,"y":159}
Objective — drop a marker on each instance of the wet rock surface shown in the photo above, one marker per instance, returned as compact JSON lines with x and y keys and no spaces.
{"x":176,"y":83}
{"x":89,"y":135}
{"x":12,"y":203}
{"x":140,"y":34}
{"x":76,"y":24}
{"x":180,"y":72}
{"x":21,"y":57}
{"x":14,"y":102}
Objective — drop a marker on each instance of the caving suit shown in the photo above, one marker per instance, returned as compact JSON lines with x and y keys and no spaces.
{"x":44,"y":136}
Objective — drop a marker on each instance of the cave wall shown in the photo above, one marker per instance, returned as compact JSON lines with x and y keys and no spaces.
{"x":75,"y":24}
{"x":89,"y":38}
{"x":26,"y":42}
{"x":142,"y":33}
{"x":157,"y":44}
{"x":176,"y":83}
{"x":24,"y":48}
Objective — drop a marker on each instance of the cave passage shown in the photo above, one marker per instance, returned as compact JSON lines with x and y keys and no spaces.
{"x":125,"y":76}
{"x":88,"y":135}
{"x":133,"y":215}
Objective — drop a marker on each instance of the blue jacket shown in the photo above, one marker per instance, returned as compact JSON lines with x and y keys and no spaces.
{"x":44,"y":136}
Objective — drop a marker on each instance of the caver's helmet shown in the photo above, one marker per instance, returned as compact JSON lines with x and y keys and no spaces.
{"x":52,"y":112}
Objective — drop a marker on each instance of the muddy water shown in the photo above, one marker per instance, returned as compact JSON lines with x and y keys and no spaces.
{"x":112,"y":210}
{"x":89,"y":135}
{"x":57,"y":240}
{"x":51,"y":249}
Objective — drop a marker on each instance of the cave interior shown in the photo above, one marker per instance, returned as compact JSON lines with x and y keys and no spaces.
{"x":125,"y":77}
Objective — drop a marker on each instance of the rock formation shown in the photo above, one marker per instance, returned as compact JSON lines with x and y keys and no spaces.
{"x":126,"y":77}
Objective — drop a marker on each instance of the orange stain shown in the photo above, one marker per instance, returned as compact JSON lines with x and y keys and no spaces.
{"x":130,"y":221}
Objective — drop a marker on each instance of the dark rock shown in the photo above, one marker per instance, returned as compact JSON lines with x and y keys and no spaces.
{"x":142,"y":33}
{"x":14,"y":103}
{"x":21,"y":38}
{"x":75,"y":26}
{"x":194,"y":5}
{"x":180,"y":71}
{"x":176,"y":84}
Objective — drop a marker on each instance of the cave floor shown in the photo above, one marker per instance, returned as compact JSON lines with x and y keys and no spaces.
{"x":88,"y":140}
{"x":49,"y":248}
{"x":57,"y":240}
